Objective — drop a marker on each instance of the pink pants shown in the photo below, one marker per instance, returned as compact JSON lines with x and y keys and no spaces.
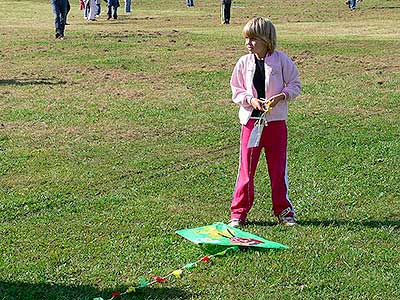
{"x":274,"y":142}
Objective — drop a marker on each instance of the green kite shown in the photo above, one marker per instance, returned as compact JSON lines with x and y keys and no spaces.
{"x":220,"y":234}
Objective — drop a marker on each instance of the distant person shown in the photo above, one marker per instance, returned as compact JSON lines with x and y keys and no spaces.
{"x":60,"y":14}
{"x":98,"y":7}
{"x":226,"y":11}
{"x":128,"y":4}
{"x":91,"y":11}
{"x":112,"y":9}
{"x":86,"y":8}
{"x":264,"y":73}
{"x":352,"y":4}
{"x":190,"y":3}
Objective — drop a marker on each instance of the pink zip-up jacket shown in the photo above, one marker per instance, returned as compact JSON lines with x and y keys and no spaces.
{"x":281,"y":76}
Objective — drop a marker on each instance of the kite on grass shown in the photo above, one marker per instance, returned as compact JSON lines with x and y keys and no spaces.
{"x":218,"y":235}
{"x":224,"y":235}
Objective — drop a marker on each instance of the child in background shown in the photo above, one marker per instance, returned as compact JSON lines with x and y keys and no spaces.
{"x":264,"y":73}
{"x":86,"y":8}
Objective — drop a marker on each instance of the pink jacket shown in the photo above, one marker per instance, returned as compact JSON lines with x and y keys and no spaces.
{"x":281,"y":76}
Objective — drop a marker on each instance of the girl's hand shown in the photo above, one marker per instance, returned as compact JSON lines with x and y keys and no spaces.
{"x":276,"y":99}
{"x":256,"y":103}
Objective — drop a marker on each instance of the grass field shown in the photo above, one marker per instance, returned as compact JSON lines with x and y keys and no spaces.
{"x":124,"y":132}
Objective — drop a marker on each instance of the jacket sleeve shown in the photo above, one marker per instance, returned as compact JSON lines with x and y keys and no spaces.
{"x":238,"y":86}
{"x":291,"y":78}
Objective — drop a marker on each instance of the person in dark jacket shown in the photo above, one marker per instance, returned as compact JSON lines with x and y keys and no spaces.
{"x":226,"y":11}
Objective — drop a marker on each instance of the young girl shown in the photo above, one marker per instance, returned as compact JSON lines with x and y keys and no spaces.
{"x":264,"y":73}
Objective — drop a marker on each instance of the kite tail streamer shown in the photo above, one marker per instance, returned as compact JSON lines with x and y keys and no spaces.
{"x":177,"y":274}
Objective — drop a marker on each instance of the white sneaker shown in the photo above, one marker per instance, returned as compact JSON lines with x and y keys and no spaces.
{"x":286,"y":220}
{"x":236,"y":223}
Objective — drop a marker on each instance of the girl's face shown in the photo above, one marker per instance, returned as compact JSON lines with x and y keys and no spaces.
{"x":256,"y":46}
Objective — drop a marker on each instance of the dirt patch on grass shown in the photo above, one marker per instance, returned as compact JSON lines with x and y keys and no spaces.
{"x":302,"y":57}
{"x":139,"y":34}
{"x":383,"y":68}
{"x":42,"y":134}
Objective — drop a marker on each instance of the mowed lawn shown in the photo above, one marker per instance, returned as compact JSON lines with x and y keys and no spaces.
{"x":125,"y":132}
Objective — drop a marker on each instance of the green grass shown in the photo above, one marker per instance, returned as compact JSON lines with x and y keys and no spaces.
{"x":124,"y":132}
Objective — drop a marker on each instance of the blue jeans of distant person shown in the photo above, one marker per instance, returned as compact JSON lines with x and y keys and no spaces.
{"x":128,"y":6}
{"x":112,"y":5}
{"x":111,"y":13}
{"x":352,"y":4}
{"x":189,"y":2}
{"x":60,"y":14}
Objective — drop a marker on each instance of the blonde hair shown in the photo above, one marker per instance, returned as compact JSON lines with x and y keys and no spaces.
{"x":262,"y":29}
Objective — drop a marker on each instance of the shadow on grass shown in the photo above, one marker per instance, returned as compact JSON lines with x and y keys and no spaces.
{"x":364,"y":223}
{"x":21,"y":82}
{"x":45,"y":291}
{"x":337,"y":223}
{"x":385,"y":7}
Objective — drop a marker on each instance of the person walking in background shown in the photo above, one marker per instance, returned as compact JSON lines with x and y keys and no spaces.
{"x":128,"y":6}
{"x":352,"y":4}
{"x":98,"y":7}
{"x":86,"y":8}
{"x":226,"y":11}
{"x":190,"y":3}
{"x":91,"y":12}
{"x":264,"y":73}
{"x":60,"y":14}
{"x":112,"y":9}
